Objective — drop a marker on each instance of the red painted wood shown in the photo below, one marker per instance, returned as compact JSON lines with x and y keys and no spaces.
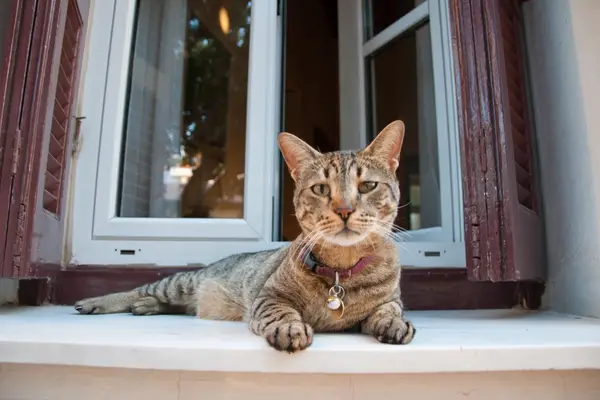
{"x":63,"y":112}
{"x":42,"y":71}
{"x":12,"y":94}
{"x":503,"y":228}
{"x":422,"y":289}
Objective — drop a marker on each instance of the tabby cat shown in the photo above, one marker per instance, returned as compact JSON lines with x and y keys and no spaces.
{"x":343,"y":269}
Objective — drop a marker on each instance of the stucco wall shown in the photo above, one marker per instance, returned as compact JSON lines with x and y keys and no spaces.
{"x":66,"y":383}
{"x":563,"y":39}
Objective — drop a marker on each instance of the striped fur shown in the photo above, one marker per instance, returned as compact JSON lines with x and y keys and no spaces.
{"x":271,"y":290}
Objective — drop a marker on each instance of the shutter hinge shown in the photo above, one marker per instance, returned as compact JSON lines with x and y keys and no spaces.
{"x":279,"y":7}
{"x":16,"y":152}
{"x":77,"y":137}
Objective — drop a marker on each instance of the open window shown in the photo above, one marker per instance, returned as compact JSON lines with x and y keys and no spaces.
{"x":395,"y":63}
{"x":177,"y":163}
{"x":178,"y":160}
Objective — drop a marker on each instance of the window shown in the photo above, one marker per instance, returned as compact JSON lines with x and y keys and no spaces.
{"x":396,"y":58}
{"x":181,"y":145}
{"x":182,"y":132}
{"x":149,"y":127}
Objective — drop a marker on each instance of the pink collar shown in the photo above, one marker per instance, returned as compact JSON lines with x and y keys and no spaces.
{"x":312,"y":264}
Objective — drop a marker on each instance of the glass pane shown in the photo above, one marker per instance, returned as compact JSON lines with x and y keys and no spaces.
{"x":185,"y":127}
{"x":379,"y":14}
{"x":400,"y":80}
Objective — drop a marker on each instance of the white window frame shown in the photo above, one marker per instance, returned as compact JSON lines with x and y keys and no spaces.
{"x":98,"y":236}
{"x":438,"y":246}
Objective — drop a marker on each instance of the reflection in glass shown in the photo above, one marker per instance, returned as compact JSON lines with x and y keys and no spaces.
{"x":402,"y":87}
{"x":185,"y":126}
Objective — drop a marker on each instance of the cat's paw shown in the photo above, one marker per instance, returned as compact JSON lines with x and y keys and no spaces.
{"x":147,"y":306}
{"x":93,"y":305}
{"x":394,"y":330}
{"x":290,"y":336}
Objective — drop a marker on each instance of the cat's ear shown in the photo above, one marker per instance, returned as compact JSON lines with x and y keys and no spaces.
{"x":388,"y":144}
{"x":295,"y":152}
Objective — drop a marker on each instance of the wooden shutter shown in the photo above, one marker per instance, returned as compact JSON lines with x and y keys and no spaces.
{"x":35,"y":228}
{"x":503,"y":225}
{"x":17,"y":53}
{"x":62,"y":114}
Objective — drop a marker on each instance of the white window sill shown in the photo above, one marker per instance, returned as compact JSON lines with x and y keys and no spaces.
{"x":446,"y":341}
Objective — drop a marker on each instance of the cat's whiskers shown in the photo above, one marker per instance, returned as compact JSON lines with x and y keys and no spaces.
{"x":384,"y":231}
{"x":296,"y":254}
{"x":404,"y":205}
{"x":308,"y":245}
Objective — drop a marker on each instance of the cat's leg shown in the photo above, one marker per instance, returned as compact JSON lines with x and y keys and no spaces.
{"x":174,"y":294}
{"x":109,"y":304}
{"x":275,"y":319}
{"x":149,"y":305}
{"x":387,"y":324}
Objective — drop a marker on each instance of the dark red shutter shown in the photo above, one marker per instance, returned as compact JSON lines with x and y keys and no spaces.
{"x":17,"y":53}
{"x":34,"y":227}
{"x":503,"y":225}
{"x":62,"y":115}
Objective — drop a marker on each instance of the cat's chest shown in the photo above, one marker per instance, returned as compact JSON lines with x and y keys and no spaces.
{"x":353,"y":309}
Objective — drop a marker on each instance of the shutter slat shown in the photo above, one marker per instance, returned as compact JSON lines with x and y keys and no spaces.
{"x":61,"y":119}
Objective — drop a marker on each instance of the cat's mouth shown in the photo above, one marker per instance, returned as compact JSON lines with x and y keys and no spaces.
{"x":344,"y":237}
{"x":347,"y":232}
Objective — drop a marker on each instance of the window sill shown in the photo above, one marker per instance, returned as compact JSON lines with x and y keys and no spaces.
{"x":446,"y":341}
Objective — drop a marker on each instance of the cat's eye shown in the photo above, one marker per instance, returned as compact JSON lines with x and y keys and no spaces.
{"x":320,"y":189}
{"x":366,"y":187}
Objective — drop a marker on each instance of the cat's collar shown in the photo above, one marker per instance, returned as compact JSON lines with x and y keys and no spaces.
{"x":316,"y":267}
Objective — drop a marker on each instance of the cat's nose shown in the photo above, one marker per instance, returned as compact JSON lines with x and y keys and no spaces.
{"x":344,"y":212}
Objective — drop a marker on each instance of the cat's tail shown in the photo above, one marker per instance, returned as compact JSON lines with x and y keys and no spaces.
{"x":173,"y":294}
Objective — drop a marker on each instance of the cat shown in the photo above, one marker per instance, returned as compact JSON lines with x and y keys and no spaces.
{"x":345,"y":203}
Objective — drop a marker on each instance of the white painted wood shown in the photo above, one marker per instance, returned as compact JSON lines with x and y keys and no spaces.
{"x":446,"y":341}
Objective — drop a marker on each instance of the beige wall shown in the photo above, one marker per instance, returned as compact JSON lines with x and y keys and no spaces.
{"x":563,"y":39}
{"x":66,"y":383}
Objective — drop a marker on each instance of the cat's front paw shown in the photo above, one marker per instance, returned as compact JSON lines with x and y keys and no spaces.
{"x":289,"y":336}
{"x":93,"y":305}
{"x":394,"y":330}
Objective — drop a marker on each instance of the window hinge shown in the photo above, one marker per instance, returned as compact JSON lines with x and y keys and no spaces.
{"x":77,"y":137}
{"x":16,"y":152}
{"x":279,"y":7}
